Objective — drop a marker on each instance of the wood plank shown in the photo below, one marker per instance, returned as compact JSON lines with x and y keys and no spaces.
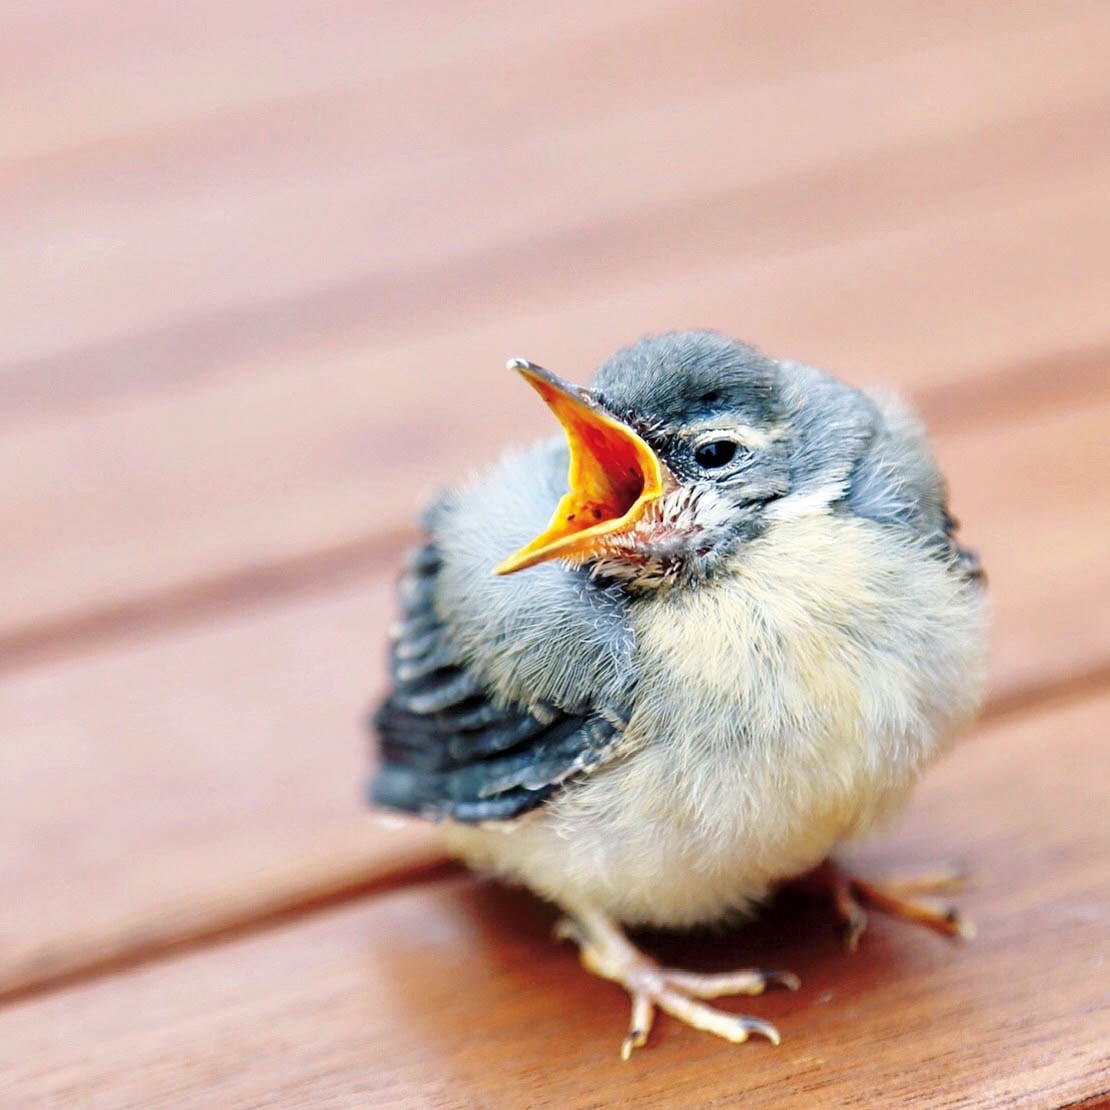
{"x":154,"y":788}
{"x":175,"y":784}
{"x":333,"y":443}
{"x":1038,"y":516}
{"x":212,"y":227}
{"x":73,"y":67}
{"x":69,"y":79}
{"x":455,"y":995}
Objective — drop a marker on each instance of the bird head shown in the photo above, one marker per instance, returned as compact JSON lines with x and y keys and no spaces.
{"x":686,"y":447}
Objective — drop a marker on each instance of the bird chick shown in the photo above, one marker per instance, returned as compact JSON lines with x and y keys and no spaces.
{"x":734,"y":642}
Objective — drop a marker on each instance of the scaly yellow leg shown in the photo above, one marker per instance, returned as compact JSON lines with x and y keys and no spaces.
{"x":606,"y":951}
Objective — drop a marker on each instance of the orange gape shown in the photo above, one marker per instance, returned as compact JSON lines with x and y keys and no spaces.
{"x":614,"y":476}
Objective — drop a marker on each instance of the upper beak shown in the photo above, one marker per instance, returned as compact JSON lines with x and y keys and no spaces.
{"x":614,"y":476}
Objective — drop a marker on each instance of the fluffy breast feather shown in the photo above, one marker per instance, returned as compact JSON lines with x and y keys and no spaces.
{"x":780,"y":708}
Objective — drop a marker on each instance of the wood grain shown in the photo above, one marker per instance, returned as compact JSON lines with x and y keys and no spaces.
{"x":157,"y":790}
{"x":1034,"y":501}
{"x":321,"y":449}
{"x":454,"y":995}
{"x":224,"y":232}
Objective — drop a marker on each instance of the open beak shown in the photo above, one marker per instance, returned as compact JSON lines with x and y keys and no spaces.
{"x":614,"y":476}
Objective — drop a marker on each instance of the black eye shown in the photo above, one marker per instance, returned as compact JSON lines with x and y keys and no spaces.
{"x":717,"y":453}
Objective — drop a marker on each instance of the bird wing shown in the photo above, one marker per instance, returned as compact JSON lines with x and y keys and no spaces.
{"x":897,"y":481}
{"x":965,"y":559}
{"x":449,"y":748}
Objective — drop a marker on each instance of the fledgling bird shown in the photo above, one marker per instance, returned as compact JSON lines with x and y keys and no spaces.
{"x":733,"y":643}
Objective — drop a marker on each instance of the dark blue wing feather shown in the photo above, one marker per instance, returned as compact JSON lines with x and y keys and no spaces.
{"x":447,"y":748}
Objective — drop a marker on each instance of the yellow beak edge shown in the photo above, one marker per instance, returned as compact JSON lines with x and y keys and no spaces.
{"x":614,"y":476}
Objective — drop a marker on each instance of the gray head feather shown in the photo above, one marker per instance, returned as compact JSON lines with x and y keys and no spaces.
{"x":681,"y":377}
{"x":866,"y":453}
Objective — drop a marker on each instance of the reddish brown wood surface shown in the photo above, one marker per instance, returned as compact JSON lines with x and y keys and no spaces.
{"x":454,"y":994}
{"x":262,"y":265}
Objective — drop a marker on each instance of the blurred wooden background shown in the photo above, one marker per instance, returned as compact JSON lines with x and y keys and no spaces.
{"x":262,"y":264}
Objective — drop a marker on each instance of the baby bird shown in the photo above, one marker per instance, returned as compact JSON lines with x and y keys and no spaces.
{"x":734,"y":642}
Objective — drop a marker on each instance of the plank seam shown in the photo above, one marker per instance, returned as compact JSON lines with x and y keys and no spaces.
{"x":124,"y":952}
{"x":31,"y":386}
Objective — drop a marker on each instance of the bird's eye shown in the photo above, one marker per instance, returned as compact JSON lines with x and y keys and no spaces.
{"x":715,"y":454}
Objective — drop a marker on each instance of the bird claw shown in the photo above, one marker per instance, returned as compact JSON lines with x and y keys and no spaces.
{"x":906,"y":897}
{"x":941,"y":879}
{"x":604,"y":950}
{"x":749,"y":981}
{"x":643,"y":1017}
{"x":854,"y":918}
{"x":566,"y":928}
{"x":736,"y":1028}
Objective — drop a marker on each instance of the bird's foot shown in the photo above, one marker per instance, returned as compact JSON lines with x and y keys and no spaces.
{"x":909,"y":897}
{"x":606,"y":951}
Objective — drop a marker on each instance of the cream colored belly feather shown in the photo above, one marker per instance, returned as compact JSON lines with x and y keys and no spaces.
{"x":779,"y":710}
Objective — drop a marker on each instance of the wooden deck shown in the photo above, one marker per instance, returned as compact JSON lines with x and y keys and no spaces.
{"x":262,"y":264}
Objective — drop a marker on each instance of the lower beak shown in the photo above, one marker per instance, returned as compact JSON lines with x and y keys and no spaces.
{"x":614,"y":476}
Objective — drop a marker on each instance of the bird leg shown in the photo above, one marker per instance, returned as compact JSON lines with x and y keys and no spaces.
{"x":606,"y":951}
{"x":908,"y":897}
